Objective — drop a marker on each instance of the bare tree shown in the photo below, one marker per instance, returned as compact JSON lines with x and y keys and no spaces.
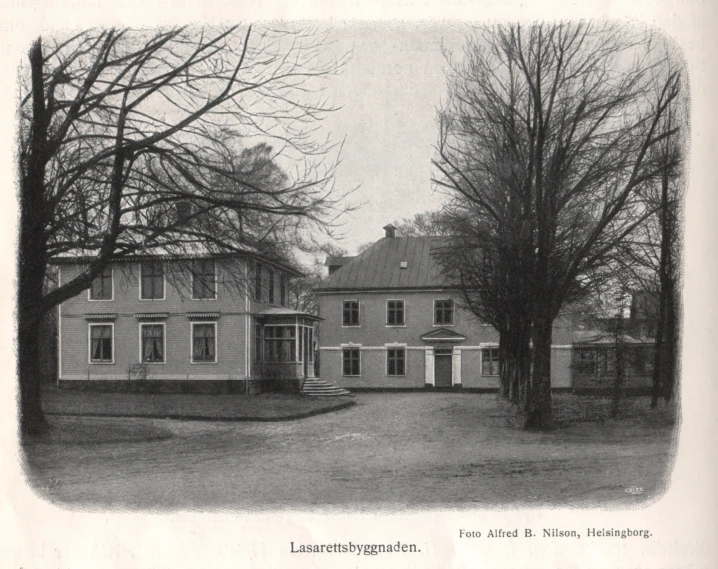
{"x":119,"y":126}
{"x":433,"y":223}
{"x":652,"y":257}
{"x":548,"y":134}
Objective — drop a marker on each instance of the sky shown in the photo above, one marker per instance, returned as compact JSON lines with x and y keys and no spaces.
{"x":390,"y":90}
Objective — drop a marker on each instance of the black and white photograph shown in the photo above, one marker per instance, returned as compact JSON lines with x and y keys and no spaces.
{"x":363,"y":267}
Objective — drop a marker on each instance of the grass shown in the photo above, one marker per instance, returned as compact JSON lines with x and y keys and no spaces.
{"x":221,"y":407}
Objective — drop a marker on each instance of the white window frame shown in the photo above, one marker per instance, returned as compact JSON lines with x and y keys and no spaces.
{"x":356,"y":347}
{"x":191,"y":342}
{"x":386,"y":313}
{"x":89,"y":343}
{"x":358,"y":313}
{"x":164,"y":342}
{"x":164,"y":284}
{"x":386,"y":362}
{"x":112,"y":289}
{"x":481,"y":363}
{"x":453,"y":312}
{"x":214,"y":264}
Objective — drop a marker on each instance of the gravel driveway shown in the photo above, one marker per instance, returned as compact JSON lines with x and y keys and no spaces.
{"x":391,"y":450}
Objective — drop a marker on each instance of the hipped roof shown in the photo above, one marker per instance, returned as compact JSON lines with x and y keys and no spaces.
{"x":379,"y":266}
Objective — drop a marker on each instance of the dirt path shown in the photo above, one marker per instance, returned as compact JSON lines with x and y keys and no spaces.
{"x":390,"y":450}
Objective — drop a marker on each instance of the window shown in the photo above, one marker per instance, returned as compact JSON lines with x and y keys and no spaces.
{"x":395,"y":358}
{"x":395,"y":312}
{"x":270,"y":286}
{"x":152,"y":343}
{"x":351,"y":361}
{"x":444,"y":312}
{"x":258,"y":342}
{"x":101,"y":341}
{"x":204,"y":285}
{"x":592,"y":361}
{"x":101,"y":288}
{"x":258,"y":282}
{"x":152,"y":283}
{"x":490,"y":361}
{"x":308,"y":334}
{"x":351,"y":313}
{"x":204,"y":342}
{"x":279,"y":344}
{"x":310,"y":344}
{"x":283,"y":289}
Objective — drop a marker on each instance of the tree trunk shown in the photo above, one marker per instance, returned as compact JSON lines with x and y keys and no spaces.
{"x":670,"y":343}
{"x":666,"y":290}
{"x":538,"y":414}
{"x":32,"y":256}
{"x":32,"y":419}
{"x":619,"y":367}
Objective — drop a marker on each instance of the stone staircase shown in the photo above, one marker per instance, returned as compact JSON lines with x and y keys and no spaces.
{"x":315,"y":387}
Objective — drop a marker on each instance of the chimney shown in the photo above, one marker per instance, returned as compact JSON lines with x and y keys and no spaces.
{"x":390,"y":230}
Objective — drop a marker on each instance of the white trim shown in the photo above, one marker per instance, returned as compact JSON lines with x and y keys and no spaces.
{"x":89,"y":344}
{"x":247,"y":324}
{"x":328,"y":292}
{"x":214,"y":265}
{"x":456,"y":366}
{"x":192,"y":324}
{"x":112,"y":287}
{"x":164,"y":283}
{"x":358,"y":313}
{"x":164,"y":342}
{"x":429,"y":378}
{"x":59,"y":328}
{"x":453,"y":313}
{"x":386,"y":363}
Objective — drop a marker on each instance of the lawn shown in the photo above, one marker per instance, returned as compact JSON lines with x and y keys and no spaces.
{"x":220,"y":407}
{"x":389,"y":451}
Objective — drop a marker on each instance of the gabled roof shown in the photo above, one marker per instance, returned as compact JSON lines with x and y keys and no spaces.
{"x":380,"y":266}
{"x":443,"y":335}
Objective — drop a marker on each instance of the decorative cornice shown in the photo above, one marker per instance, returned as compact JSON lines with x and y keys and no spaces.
{"x":152,"y":316}
{"x":203,"y":315}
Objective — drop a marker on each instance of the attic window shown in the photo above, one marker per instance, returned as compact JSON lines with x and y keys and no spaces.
{"x":403,"y":265}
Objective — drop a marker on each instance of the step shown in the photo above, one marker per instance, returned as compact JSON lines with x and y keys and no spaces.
{"x":316,"y":387}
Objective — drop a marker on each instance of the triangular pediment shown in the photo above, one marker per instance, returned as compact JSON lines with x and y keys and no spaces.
{"x":443,"y":335}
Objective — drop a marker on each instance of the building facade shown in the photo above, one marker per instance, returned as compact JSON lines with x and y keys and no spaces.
{"x":389,"y":321}
{"x":201,"y":323}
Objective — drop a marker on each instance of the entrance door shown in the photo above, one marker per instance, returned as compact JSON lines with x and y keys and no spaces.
{"x":442,"y":367}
